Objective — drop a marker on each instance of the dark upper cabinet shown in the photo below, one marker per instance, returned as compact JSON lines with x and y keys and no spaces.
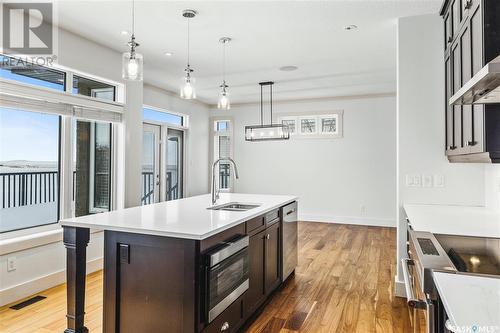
{"x":272,"y":260}
{"x":471,"y":39}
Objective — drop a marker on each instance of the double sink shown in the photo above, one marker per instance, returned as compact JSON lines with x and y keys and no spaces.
{"x":235,"y":206}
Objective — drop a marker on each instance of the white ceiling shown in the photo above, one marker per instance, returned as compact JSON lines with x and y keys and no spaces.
{"x":266,"y":35}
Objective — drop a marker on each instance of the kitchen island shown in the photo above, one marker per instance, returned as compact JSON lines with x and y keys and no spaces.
{"x":178,"y":266}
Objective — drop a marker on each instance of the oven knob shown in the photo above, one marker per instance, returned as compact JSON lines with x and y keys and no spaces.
{"x":224,"y":327}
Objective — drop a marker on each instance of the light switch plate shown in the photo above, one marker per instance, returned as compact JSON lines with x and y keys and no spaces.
{"x":438,"y":180}
{"x":417,"y":181}
{"x":11,"y":264}
{"x":409,"y":180}
{"x":427,"y":180}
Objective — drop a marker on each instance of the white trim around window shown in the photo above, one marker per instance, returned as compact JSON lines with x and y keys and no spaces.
{"x":334,"y":130}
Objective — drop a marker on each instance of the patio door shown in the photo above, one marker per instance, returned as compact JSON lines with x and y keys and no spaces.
{"x":151,"y":139}
{"x":174,"y":164}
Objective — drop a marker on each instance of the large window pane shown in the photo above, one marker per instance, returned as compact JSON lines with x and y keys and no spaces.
{"x":163,"y":117}
{"x":29,"y":169}
{"x":92,"y":88}
{"x":25,"y":72}
{"x":92,"y":167}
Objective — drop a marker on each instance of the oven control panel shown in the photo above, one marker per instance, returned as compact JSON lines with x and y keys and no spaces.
{"x":427,"y":247}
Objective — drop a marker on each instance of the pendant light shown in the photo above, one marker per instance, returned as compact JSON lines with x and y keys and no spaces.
{"x":187,"y":89}
{"x":132,"y":61}
{"x":266,"y":132}
{"x":223,"y":97}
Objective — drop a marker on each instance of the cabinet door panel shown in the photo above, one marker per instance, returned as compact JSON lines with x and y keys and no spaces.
{"x":448,"y":31}
{"x":457,"y":109}
{"x":478,"y":129}
{"x":450,"y":144}
{"x":455,"y":12}
{"x":272,"y":257}
{"x":256,"y":252}
{"x":476,"y":41}
{"x":466,"y":74}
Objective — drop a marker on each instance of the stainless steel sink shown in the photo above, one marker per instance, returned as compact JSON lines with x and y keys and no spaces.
{"x":235,"y":206}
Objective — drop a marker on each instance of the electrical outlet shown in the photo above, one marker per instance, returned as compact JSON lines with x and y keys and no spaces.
{"x":438,"y":180}
{"x":11,"y":264}
{"x":426,"y":180}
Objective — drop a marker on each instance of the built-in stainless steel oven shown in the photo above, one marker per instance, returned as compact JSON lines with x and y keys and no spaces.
{"x":226,"y":275}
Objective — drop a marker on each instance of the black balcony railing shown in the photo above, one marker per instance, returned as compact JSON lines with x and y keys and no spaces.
{"x":28,"y":188}
{"x":224,"y":175}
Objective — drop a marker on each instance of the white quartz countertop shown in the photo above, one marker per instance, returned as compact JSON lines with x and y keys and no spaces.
{"x":470,"y":301}
{"x":454,"y":220}
{"x":185,"y":218}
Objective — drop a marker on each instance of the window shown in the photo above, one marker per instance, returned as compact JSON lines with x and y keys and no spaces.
{"x":308,"y":125}
{"x":29,"y":169}
{"x":163,"y":117}
{"x":222,"y":144}
{"x":26,"y":72}
{"x":92,"y":88}
{"x":92,"y":167}
{"x":291,"y":123}
{"x":327,"y":125}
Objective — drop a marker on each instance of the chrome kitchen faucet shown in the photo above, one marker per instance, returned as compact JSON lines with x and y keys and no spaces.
{"x":215,"y":190}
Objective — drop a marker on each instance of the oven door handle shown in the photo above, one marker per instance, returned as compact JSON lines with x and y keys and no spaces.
{"x":411,"y":297}
{"x":229,"y":249}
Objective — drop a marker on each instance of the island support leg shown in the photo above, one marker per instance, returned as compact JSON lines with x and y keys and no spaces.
{"x":76,"y":240}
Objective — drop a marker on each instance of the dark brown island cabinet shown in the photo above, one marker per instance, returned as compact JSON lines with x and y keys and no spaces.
{"x":471,"y":40}
{"x":161,"y":284}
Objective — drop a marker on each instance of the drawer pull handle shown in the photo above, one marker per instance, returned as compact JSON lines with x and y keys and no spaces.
{"x":224,"y":327}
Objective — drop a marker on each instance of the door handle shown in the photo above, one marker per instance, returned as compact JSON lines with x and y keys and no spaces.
{"x":411,"y":297}
{"x":268,"y":236}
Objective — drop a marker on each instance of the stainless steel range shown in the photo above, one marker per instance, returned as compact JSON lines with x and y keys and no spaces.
{"x":428,"y":253}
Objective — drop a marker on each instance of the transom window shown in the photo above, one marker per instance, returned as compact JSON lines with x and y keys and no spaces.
{"x":26,"y":72}
{"x":327,"y":125}
{"x":163,"y":117}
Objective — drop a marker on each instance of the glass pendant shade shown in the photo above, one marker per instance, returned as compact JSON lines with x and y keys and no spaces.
{"x":224,"y":103}
{"x":188,"y":90}
{"x":132,"y":66}
{"x":266,"y":132}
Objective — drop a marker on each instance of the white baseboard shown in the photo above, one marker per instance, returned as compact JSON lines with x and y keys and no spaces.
{"x":358,"y":220}
{"x":399,"y":288}
{"x":37,"y":285}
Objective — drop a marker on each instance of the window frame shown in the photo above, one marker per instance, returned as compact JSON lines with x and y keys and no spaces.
{"x":214,"y":146}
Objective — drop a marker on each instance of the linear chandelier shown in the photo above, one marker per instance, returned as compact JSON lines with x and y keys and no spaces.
{"x":266,"y":132}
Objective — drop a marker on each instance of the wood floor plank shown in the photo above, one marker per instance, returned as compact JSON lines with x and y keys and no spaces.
{"x":344,"y":283}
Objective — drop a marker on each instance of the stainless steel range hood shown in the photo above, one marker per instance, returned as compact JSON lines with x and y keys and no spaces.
{"x":483,"y":88}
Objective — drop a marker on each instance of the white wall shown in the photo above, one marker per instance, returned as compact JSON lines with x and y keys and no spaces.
{"x":44,"y":266}
{"x":421,"y":127}
{"x":332,"y":177}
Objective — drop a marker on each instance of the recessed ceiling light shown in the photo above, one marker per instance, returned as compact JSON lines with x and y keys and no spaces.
{"x":168,"y":54}
{"x":288,"y":68}
{"x":124,"y":32}
{"x":350,"y":27}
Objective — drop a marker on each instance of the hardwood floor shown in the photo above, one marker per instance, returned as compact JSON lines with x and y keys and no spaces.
{"x":344,"y":283}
